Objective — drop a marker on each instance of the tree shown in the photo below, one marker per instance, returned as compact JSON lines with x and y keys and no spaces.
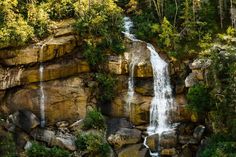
{"x":159,"y":7}
{"x":168,"y":37}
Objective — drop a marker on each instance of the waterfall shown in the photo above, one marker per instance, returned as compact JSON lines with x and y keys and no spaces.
{"x":134,"y":60}
{"x":162,"y":101}
{"x":41,"y":91}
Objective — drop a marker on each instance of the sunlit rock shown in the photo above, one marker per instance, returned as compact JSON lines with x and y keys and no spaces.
{"x":134,"y":150}
{"x":124,"y":136}
{"x":65,"y":99}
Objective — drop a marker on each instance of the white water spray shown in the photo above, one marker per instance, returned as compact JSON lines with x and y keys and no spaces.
{"x":134,"y":61}
{"x":41,"y":92}
{"x":162,"y":101}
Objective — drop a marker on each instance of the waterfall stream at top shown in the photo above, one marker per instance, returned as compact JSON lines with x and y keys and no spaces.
{"x":162,"y":101}
{"x":41,"y":91}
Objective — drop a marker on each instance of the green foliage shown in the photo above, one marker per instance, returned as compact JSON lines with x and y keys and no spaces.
{"x":198,"y":99}
{"x":94,"y":144}
{"x":13,"y":29}
{"x":106,"y":85}
{"x":100,"y":26}
{"x":93,"y":54}
{"x":219,"y":146}
{"x":7,"y":145}
{"x":206,"y":42}
{"x":143,"y":25}
{"x":101,"y":19}
{"x":39,"y":19}
{"x":167,"y":36}
{"x":39,"y":150}
{"x":94,"y":120}
{"x":59,"y":9}
{"x":231,"y":31}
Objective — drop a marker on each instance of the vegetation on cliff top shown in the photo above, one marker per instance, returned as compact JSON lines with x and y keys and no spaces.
{"x":177,"y":26}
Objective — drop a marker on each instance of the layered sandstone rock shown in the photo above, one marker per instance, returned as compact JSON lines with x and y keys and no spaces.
{"x":65,"y":99}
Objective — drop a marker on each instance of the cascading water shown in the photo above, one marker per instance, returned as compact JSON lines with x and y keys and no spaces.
{"x":162,"y":101}
{"x":133,"y":62}
{"x":41,"y":91}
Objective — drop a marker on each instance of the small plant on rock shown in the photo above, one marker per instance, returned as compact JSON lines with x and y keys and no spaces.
{"x":94,"y":120}
{"x":39,"y":150}
{"x":94,"y":144}
{"x":198,"y":99}
{"x":7,"y":145}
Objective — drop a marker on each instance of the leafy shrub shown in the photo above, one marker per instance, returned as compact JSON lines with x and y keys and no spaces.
{"x":39,"y":19}
{"x":93,"y":54}
{"x":13,"y":29}
{"x":106,"y":87}
{"x":143,"y":24}
{"x":94,"y":120}
{"x":100,"y":26}
{"x":7,"y":145}
{"x":198,"y":98}
{"x":94,"y":144}
{"x":59,"y":9}
{"x":38,"y":150}
{"x":219,"y":146}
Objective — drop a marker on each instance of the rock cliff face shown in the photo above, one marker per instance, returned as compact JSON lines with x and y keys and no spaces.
{"x":67,"y":82}
{"x":67,"y":79}
{"x":70,"y":90}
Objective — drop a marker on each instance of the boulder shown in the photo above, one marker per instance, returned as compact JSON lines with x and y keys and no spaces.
{"x":66,"y":141}
{"x":199,"y":74}
{"x":200,"y":64}
{"x":24,"y":119}
{"x":152,"y":142}
{"x":114,"y":124}
{"x":20,"y":138}
{"x":186,"y":152}
{"x":28,"y":145}
{"x":185,"y":128}
{"x":43,"y":135}
{"x":124,"y":136}
{"x":64,"y":99}
{"x":168,"y":152}
{"x":168,"y":139}
{"x":186,"y":139}
{"x":191,"y":80}
{"x":198,"y":132}
{"x":134,"y":150}
{"x":76,"y":126}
